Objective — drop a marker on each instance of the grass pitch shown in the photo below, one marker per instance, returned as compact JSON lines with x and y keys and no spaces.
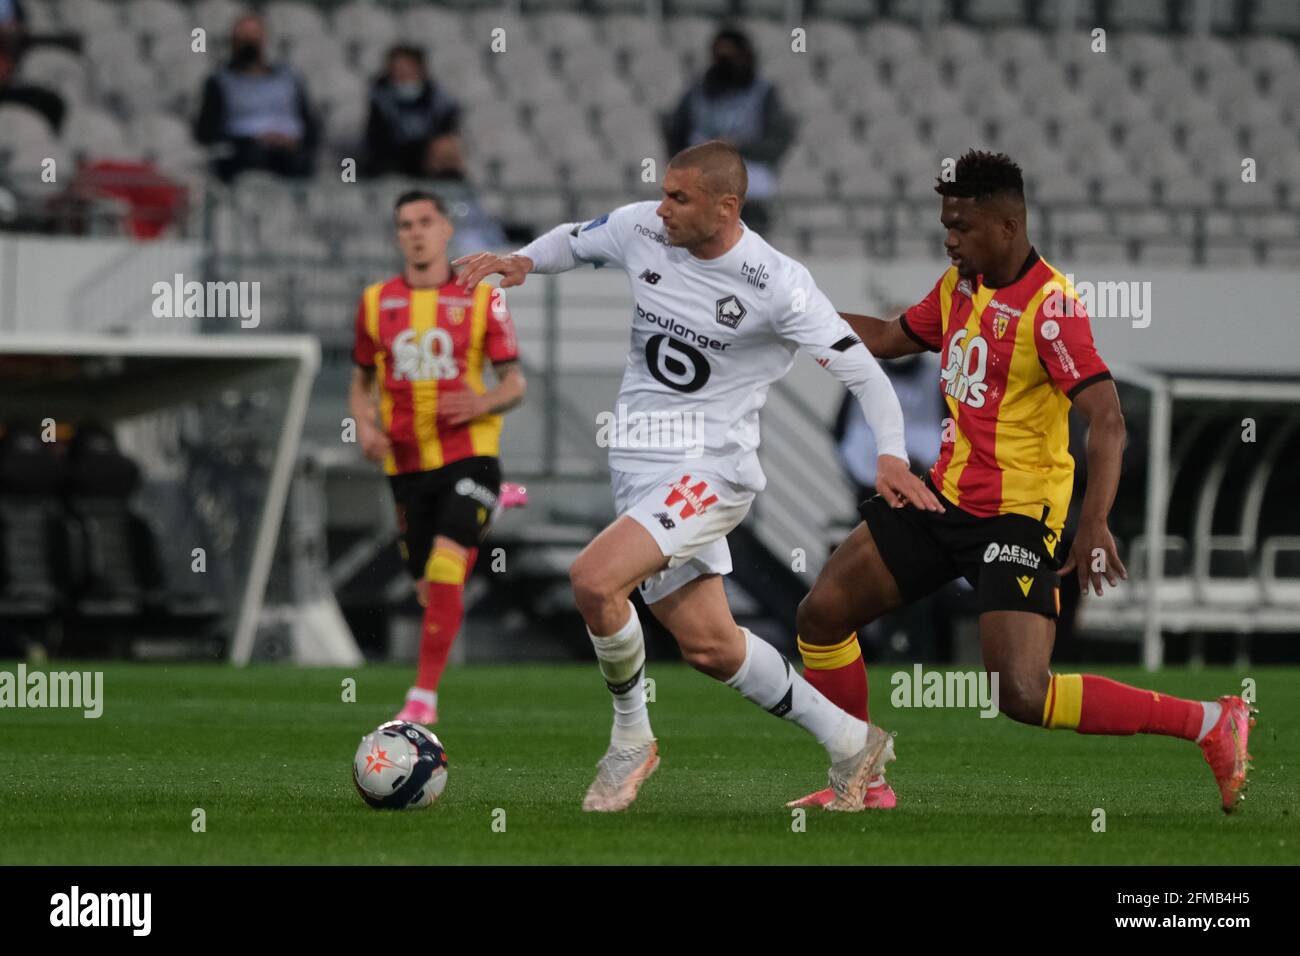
{"x":266,"y":753}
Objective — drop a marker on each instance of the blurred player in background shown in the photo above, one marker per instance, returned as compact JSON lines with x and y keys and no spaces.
{"x":424,"y":339}
{"x":1017,"y":349}
{"x":718,"y":315}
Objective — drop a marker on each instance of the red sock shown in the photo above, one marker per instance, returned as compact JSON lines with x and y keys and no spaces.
{"x":1098,"y":705}
{"x":442,"y":619}
{"x":839,"y":673}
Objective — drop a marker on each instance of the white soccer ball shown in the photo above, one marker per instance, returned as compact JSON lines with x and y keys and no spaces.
{"x":400,"y":766}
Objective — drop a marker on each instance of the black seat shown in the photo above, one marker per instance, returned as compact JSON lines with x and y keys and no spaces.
{"x":33,"y":538}
{"x":111,"y":572}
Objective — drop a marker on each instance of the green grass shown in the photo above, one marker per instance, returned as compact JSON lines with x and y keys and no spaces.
{"x":266,"y":753}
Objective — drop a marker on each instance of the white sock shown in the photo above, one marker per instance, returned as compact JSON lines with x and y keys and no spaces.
{"x":767,"y":679}
{"x":427,"y":697}
{"x":621,"y":656}
{"x":1210,"y":713}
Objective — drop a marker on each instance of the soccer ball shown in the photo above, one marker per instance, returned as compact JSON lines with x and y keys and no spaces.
{"x":400,"y":766}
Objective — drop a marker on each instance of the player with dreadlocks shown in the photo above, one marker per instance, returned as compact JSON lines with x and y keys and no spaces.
{"x":1018,"y":352}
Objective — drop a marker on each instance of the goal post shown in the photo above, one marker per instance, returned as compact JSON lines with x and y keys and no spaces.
{"x":135,"y":383}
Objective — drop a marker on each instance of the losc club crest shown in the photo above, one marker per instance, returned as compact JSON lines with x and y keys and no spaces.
{"x":729,"y":311}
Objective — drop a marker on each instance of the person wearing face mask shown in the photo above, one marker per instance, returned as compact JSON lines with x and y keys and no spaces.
{"x":735,"y":103}
{"x":255,"y":114}
{"x":414,"y":124}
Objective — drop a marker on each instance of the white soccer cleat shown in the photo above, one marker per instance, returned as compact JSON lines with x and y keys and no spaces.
{"x":619,"y":776}
{"x":849,"y":778}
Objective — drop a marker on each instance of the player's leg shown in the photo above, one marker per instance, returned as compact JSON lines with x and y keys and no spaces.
{"x":889,"y":560}
{"x":603,"y":576}
{"x":444,"y":529}
{"x":698,"y":616}
{"x":1017,"y":646}
{"x":441,"y":591}
{"x":852,"y":590}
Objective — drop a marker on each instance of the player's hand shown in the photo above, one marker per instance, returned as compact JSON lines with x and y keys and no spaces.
{"x":461,"y":407}
{"x":1093,"y":537}
{"x":478,"y":266}
{"x":374,"y":443}
{"x":898,"y":486}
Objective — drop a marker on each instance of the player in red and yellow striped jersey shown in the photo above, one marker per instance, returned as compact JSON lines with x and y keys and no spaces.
{"x":424,"y":340}
{"x":1017,"y":354}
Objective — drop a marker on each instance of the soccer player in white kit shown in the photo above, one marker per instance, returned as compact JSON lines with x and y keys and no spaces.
{"x":717,"y":317}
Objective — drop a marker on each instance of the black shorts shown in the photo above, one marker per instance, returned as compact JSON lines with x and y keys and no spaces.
{"x":455,"y":501}
{"x":1008,"y":559}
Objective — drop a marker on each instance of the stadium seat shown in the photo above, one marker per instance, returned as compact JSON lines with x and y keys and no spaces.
{"x":1167,"y":253}
{"x":292,"y":20}
{"x":97,"y":134}
{"x":1276,"y":16}
{"x":849,"y":9}
{"x":22,"y":124}
{"x":1279,"y":559}
{"x":1140,"y":14}
{"x":995,"y":13}
{"x":1282,"y":255}
{"x":1142,"y":51}
{"x":216,"y":17}
{"x":33,"y":538}
{"x":54,"y":68}
{"x":91,"y":16}
{"x":1229,"y":252}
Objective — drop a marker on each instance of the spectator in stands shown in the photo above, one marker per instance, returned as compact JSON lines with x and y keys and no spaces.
{"x":733,"y":102}
{"x":255,"y":111}
{"x":13,"y":18}
{"x":46,"y":102}
{"x":414,"y":125}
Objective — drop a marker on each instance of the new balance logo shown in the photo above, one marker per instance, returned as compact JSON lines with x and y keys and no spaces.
{"x":693,"y":495}
{"x":651,"y":277}
{"x":666,"y":521}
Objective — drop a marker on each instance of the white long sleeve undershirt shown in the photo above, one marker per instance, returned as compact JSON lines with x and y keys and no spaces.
{"x":551,"y":251}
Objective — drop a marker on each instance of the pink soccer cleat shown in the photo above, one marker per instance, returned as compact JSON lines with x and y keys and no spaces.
{"x":512,"y":495}
{"x":880,"y":796}
{"x":415,"y":712}
{"x":1225,"y":749}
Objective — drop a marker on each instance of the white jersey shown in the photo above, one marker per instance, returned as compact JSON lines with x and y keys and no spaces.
{"x":709,"y":336}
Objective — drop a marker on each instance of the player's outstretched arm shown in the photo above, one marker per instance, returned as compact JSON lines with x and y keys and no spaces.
{"x":1093,"y":554}
{"x":884,"y":338}
{"x":549,"y":253}
{"x":476,"y":267}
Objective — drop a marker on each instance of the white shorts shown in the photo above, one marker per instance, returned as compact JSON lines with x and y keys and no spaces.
{"x":689,"y":511}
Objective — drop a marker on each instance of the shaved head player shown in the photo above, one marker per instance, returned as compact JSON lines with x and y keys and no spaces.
{"x":717,"y":317}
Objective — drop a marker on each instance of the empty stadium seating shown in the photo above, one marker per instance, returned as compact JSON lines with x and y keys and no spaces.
{"x":1162,"y":120}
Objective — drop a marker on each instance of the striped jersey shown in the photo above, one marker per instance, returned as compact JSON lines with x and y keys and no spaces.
{"x":1012,"y":358}
{"x":424,"y":343}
